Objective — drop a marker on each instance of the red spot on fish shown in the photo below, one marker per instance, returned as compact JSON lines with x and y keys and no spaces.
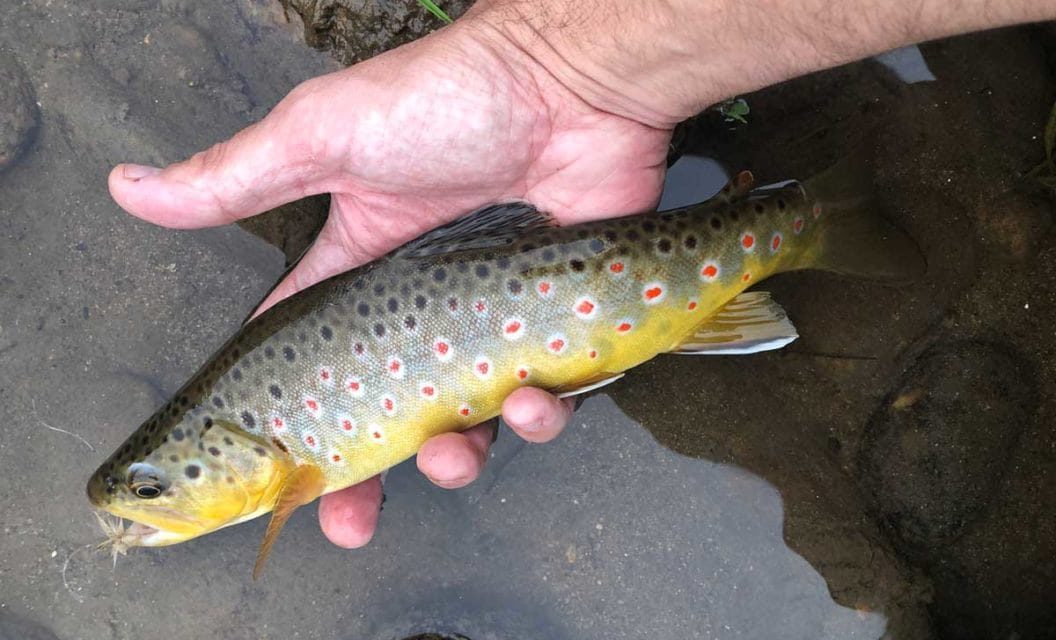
{"x":797,"y":225}
{"x":747,"y":241}
{"x":709,"y":271}
{"x":388,"y":404}
{"x":513,"y":329}
{"x":545,"y":288}
{"x":522,"y":373}
{"x":278,"y":423}
{"x":746,"y":277}
{"x":593,"y":354}
{"x":376,"y":434}
{"x":428,"y":390}
{"x":775,"y":243}
{"x":359,"y":349}
{"x":347,"y":425}
{"x":623,"y":327}
{"x":324,"y":374}
{"x":452,"y":304}
{"x":443,"y":349}
{"x":336,"y":458}
{"x":556,"y":344}
{"x":480,"y":307}
{"x":482,"y":366}
{"x":309,"y":440}
{"x":585,"y":308}
{"x":464,"y":410}
{"x":692,"y":305}
{"x":311,"y":404}
{"x":616,"y":267}
{"x":653,"y":293}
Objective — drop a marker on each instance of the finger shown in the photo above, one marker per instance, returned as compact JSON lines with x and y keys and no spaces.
{"x":348,"y":517}
{"x":536,"y":416}
{"x":267,"y":164}
{"x":453,"y":460}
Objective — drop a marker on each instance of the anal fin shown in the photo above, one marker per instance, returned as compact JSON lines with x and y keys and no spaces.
{"x":749,"y":323}
{"x":304,"y":484}
{"x":583,"y":386}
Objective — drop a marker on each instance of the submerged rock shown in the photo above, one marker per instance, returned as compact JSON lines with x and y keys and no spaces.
{"x":940,"y":444}
{"x":19,"y":116}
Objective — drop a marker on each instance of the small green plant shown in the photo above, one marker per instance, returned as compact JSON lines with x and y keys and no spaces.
{"x":432,"y":8}
{"x":734,"y":110}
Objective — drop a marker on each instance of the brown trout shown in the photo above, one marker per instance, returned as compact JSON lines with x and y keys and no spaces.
{"x":349,"y":377}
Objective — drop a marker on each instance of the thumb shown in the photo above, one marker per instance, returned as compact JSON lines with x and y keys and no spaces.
{"x":265,"y":165}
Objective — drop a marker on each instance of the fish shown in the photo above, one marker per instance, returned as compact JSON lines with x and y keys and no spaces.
{"x":351,"y":376}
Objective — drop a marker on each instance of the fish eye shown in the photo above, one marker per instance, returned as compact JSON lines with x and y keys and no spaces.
{"x":146,"y":481}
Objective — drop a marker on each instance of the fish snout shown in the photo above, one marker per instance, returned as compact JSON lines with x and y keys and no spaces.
{"x":101,"y":488}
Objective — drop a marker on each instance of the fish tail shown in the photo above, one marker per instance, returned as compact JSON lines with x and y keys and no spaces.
{"x":851,"y":236}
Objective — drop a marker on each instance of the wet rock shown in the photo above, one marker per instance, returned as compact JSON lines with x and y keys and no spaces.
{"x":19,"y":116}
{"x":355,"y":30}
{"x":939,"y":444}
{"x":14,"y":627}
{"x":1014,"y":225}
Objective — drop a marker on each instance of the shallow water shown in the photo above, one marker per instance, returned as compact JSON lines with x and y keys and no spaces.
{"x":890,"y":474}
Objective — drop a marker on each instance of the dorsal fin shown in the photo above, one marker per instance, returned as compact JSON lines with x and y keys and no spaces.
{"x":491,"y":226}
{"x":304,"y":484}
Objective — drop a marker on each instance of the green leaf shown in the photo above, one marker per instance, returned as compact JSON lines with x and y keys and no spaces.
{"x":431,"y":7}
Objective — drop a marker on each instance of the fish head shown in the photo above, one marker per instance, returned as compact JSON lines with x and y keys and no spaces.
{"x":189,"y":479}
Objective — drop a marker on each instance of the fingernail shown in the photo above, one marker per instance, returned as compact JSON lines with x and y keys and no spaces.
{"x":138,"y":171}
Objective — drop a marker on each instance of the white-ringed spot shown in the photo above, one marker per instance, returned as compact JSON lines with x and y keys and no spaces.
{"x":617,"y":268}
{"x":692,"y":305}
{"x":335,"y":457}
{"x":513,"y":328}
{"x":326,"y":377}
{"x":310,"y":440}
{"x":464,"y":410}
{"x":388,"y":404}
{"x":427,"y":390}
{"x":557,"y":343}
{"x":346,"y":424}
{"x":775,"y":242}
{"x":545,"y":289}
{"x":710,"y":271}
{"x":359,"y":350}
{"x":394,"y":367}
{"x":797,"y":225}
{"x":624,"y":326}
{"x":277,"y":422}
{"x":354,"y":386}
{"x":586,"y":308}
{"x":482,"y":367}
{"x":443,"y":349}
{"x":748,"y":241}
{"x":653,"y":293}
{"x":313,"y":406}
{"x":592,"y":354}
{"x":746,"y":277}
{"x":522,"y":372}
{"x":376,"y":434}
{"x":480,"y":307}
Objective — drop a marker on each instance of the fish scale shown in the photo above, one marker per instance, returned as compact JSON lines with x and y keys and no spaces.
{"x":352,"y":375}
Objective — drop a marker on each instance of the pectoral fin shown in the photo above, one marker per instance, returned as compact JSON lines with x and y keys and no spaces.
{"x":749,"y":323}
{"x":304,"y":484}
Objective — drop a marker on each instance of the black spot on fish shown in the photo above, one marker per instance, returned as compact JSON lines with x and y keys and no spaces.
{"x":326,"y":332}
{"x":527,"y":246}
{"x":218,"y":402}
{"x":716,"y":223}
{"x":410,"y":323}
{"x":177,"y":435}
{"x":405,"y":290}
{"x":440,"y":275}
{"x":183,"y":401}
{"x":174,"y":458}
{"x":228,"y":441}
{"x":363,"y":309}
{"x":597,"y":246}
{"x":781,"y":204}
{"x":269,"y":353}
{"x":419,"y":302}
{"x":577,"y":265}
{"x":549,"y":255}
{"x":482,"y":271}
{"x":648,"y":226}
{"x":664,"y":245}
{"x":358,"y":349}
{"x":502,"y":262}
{"x":393,"y":305}
{"x":612,"y":236}
{"x":275,"y":391}
{"x":379,"y":330}
{"x":690,"y":242}
{"x":236,"y":374}
{"x":214,"y":451}
{"x":192,"y":471}
{"x":515,"y":287}
{"x":278,"y":443}
{"x":247,"y":419}
{"x":633,"y":235}
{"x":207,"y":422}
{"x":758,"y":207}
{"x":289,"y":354}
{"x":379,"y":289}
{"x":260,"y":451}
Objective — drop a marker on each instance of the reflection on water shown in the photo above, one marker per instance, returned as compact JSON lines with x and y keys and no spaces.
{"x":701,"y":497}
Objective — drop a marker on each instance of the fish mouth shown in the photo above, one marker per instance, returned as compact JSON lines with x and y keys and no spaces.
{"x":140,"y":534}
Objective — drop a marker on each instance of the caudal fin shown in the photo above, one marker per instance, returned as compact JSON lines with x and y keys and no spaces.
{"x":852,"y":237}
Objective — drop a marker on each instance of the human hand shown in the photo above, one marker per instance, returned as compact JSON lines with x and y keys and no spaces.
{"x":405,"y":142}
